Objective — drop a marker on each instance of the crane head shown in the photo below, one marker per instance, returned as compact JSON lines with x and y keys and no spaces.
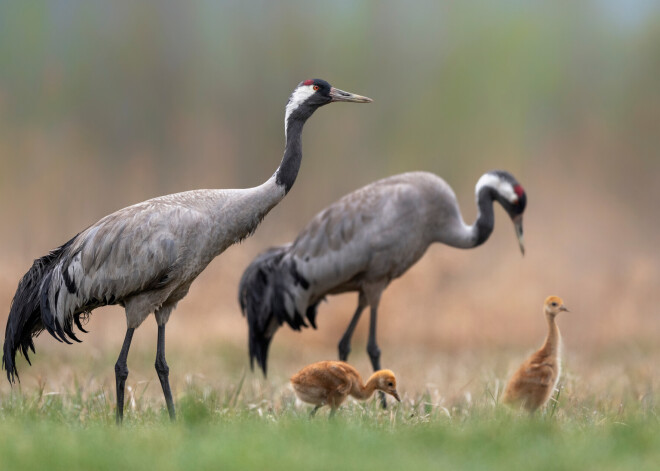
{"x":511,"y":195}
{"x":311,"y":94}
{"x":385,"y":381}
{"x":553,"y":305}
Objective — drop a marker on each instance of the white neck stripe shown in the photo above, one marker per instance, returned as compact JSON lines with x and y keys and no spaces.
{"x":299,"y":96}
{"x":503,"y":187}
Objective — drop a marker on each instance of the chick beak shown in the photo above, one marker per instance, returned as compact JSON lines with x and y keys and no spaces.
{"x":340,"y":95}
{"x":563,"y":308}
{"x":517,"y":224}
{"x":395,"y":395}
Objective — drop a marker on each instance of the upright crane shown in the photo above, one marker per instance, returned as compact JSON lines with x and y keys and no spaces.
{"x":146,"y":256}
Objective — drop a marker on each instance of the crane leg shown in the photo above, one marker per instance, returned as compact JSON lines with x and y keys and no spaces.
{"x":345,"y":342}
{"x":313,"y":413}
{"x":121,"y":373}
{"x":164,"y":371}
{"x":372,"y":347}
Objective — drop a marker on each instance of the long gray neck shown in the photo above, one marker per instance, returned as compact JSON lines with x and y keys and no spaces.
{"x":458,"y":234}
{"x":288,"y":170}
{"x":249,"y":206}
{"x":483,"y":226}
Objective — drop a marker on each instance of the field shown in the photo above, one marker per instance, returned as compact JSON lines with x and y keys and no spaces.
{"x":110,"y":104}
{"x":451,"y":374}
{"x":453,"y":329}
{"x":231,"y":424}
{"x":214,"y":432}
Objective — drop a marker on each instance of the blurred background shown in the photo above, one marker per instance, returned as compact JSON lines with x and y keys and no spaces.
{"x":105,"y":104}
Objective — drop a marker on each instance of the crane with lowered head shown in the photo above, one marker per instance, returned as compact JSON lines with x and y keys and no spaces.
{"x":361,"y":243}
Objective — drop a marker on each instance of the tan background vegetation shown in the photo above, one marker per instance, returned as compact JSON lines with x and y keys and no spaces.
{"x":104,"y":105}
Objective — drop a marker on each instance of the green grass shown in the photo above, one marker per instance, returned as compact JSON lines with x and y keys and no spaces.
{"x":235,"y":429}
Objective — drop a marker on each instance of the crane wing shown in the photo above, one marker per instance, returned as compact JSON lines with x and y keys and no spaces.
{"x":540,"y":373}
{"x":371,"y":235}
{"x":374,"y":233}
{"x":340,"y":378}
{"x":136,"y":249}
{"x":536,"y":374}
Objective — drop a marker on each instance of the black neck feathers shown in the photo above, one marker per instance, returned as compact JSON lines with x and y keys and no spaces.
{"x":486,"y":218}
{"x":288,"y":170}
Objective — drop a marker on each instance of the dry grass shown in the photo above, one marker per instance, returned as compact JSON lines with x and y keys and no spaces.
{"x":455,"y":317}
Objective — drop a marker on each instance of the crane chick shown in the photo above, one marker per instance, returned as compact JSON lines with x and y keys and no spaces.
{"x":532,"y":384}
{"x":331,"y":382}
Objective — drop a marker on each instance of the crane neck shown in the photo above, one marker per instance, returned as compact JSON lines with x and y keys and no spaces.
{"x":286,"y":173}
{"x":483,"y":226}
{"x":464,"y":236}
{"x":251,"y":205}
{"x":553,"y":340}
{"x":364,"y":391}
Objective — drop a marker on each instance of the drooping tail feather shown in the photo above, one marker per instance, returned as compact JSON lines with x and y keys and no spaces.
{"x":25,"y":319}
{"x":267,"y":293}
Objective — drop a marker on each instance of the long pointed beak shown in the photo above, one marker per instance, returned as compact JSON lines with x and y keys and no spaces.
{"x":517,"y":224}
{"x":563,"y":308}
{"x":396,"y":395}
{"x":340,"y":95}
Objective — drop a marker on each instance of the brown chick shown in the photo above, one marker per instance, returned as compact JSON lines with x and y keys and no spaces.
{"x":532,"y":385}
{"x":331,"y":382}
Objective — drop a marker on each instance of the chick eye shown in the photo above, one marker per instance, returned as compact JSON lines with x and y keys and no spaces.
{"x":390,"y":384}
{"x":315,"y":87}
{"x":554,"y":304}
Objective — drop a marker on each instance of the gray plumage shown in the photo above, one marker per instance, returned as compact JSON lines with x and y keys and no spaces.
{"x":146,"y":256}
{"x":361,"y":243}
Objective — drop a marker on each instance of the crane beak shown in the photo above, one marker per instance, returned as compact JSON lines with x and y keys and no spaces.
{"x":563,"y":308}
{"x":395,"y":395}
{"x":517,"y":223}
{"x":340,"y":95}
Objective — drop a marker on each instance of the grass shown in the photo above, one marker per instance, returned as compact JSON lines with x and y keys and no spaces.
{"x":450,"y":348}
{"x":604,"y":416}
{"x":243,"y":427}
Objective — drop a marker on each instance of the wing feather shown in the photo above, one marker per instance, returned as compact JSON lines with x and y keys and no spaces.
{"x":364,"y":232}
{"x":130,"y":251}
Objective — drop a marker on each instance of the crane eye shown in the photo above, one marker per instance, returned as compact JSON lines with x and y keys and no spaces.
{"x":554,"y":304}
{"x":315,"y":87}
{"x":390,"y":384}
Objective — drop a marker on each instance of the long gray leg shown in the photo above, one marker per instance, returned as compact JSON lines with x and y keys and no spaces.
{"x":372,"y":346}
{"x":164,"y":371}
{"x":345,"y":342}
{"x":121,"y":373}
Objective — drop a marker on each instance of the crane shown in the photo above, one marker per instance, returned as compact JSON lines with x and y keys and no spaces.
{"x":534,"y":381}
{"x":331,"y":382}
{"x":146,"y":256}
{"x":361,"y":243}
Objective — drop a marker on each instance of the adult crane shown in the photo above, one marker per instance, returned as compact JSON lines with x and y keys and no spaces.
{"x":145,"y":257}
{"x":361,"y":243}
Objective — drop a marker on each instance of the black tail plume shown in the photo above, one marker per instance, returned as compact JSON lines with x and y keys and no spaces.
{"x":25,"y":320}
{"x":264,"y":286}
